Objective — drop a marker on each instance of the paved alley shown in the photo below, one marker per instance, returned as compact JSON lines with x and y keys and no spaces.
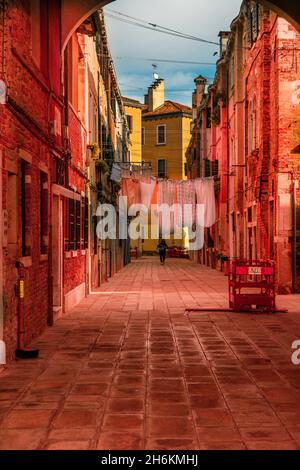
{"x":130,"y":369}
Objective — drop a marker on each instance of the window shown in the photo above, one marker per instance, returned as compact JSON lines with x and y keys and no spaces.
{"x":208,"y":118}
{"x":130,"y":122}
{"x":24,"y":194}
{"x":253,"y":126}
{"x":143,"y":136}
{"x":207,"y":167}
{"x":161,"y":168}
{"x":253,"y":23}
{"x":43,"y":213}
{"x":74,"y":225}
{"x":232,"y":72}
{"x":185,"y":169}
{"x":161,"y":134}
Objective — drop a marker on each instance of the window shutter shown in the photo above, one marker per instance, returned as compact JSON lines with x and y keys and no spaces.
{"x":78,"y":224}
{"x":86,"y":223}
{"x":215,"y":168}
{"x":71,"y":224}
{"x":255,"y":22}
{"x":208,"y":168}
{"x":249,"y":27}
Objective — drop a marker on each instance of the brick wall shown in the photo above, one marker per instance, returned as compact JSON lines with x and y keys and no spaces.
{"x":24,"y":128}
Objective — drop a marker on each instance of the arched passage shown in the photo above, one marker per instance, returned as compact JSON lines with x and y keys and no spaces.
{"x":288,"y":9}
{"x":74,"y":12}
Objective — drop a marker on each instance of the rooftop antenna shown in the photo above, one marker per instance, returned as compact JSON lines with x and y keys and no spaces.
{"x":155,"y":74}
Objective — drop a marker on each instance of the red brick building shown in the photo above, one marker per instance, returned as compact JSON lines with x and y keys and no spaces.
{"x":46,"y":183}
{"x":246,"y":134}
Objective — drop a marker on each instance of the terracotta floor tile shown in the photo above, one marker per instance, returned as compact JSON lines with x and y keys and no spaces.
{"x":161,"y":427}
{"x":167,"y":397}
{"x":265,"y":434}
{"x":122,"y":422}
{"x":21,"y":439}
{"x":69,"y":434}
{"x":27,"y":419}
{"x":171,"y":444}
{"x":76,"y":419}
{"x":225,"y":445}
{"x":212,"y":417}
{"x":120,"y":441}
{"x":68,"y":445}
{"x":218,"y":434}
{"x":267,"y":445}
{"x":168,"y":409}
{"x":126,"y":405}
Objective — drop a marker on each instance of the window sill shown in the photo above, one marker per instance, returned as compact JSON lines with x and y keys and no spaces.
{"x":43,"y":258}
{"x":26,"y":261}
{"x":159,"y":145}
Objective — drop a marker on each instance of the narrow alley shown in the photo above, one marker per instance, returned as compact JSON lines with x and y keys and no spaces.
{"x":129,"y":369}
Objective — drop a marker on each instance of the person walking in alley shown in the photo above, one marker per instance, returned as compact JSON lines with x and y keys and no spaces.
{"x":162,"y":250}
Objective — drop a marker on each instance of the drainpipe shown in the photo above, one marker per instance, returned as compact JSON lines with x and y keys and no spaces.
{"x":50,"y":319}
{"x":2,"y":343}
{"x":295,"y":184}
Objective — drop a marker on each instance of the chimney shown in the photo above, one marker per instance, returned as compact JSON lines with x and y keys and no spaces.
{"x":199,"y":91}
{"x":224,"y":36}
{"x":156,"y":94}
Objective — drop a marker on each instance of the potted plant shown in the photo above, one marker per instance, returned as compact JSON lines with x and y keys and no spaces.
{"x":216,"y":116}
{"x":95,"y":149}
{"x":102,"y":166}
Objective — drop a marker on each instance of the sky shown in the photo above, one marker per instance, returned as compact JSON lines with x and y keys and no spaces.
{"x":201,"y":18}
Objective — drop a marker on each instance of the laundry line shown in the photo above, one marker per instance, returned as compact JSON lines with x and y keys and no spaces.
{"x":185,"y":195}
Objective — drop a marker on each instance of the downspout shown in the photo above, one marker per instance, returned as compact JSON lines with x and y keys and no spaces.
{"x":2,"y":343}
{"x":50,"y":273}
{"x":294,"y":235}
{"x":228,"y":166}
{"x":2,"y":103}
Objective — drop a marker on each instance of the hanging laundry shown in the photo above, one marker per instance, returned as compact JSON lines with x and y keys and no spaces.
{"x":131,"y":189}
{"x":205,"y":193}
{"x":167,"y":192}
{"x":147,"y":190}
{"x":116,"y":174}
{"x":186,"y":197}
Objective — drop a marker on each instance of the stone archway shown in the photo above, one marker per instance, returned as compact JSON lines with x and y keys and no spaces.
{"x":74,"y":12}
{"x":288,"y":9}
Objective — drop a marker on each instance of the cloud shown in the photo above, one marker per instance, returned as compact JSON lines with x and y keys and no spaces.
{"x":197,"y":17}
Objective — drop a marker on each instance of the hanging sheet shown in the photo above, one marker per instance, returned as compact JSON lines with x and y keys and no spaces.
{"x":167,"y":192}
{"x":116,"y":174}
{"x":186,"y":197}
{"x":131,"y":189}
{"x":205,"y":193}
{"x":146,"y":191}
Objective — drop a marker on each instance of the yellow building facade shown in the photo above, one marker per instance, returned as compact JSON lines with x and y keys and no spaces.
{"x":133,"y":111}
{"x":165,"y":139}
